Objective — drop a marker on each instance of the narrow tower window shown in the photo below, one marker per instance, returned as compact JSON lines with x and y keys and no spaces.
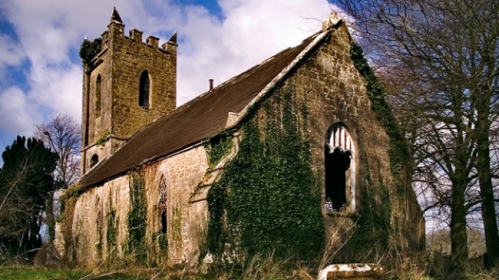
{"x":162,"y":204}
{"x":98,"y":90}
{"x":339,"y":169}
{"x":94,"y":160}
{"x":144,"y":90}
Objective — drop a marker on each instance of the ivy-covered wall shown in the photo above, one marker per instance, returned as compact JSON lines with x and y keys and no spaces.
{"x":278,"y":173}
{"x":137,"y":218}
{"x":407,"y":226}
{"x":268,"y":199}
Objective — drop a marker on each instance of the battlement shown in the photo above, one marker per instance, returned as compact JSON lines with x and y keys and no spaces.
{"x":116,"y":28}
{"x":132,"y":82}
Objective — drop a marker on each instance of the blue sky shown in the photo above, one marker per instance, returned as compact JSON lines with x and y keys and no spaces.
{"x":41,"y":73}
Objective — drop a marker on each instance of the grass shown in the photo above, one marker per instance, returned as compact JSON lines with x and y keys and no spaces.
{"x":421,"y":266}
{"x":259,"y":267}
{"x":41,"y":273}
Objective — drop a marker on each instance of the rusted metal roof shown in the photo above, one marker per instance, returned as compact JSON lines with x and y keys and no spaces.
{"x":199,"y":119}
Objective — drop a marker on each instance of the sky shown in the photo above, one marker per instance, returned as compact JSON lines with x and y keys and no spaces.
{"x":41,"y":72}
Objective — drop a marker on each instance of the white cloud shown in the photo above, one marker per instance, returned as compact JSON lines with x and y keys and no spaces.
{"x":10,"y":52}
{"x":11,"y":55}
{"x":15,"y":109}
{"x":50,"y":31}
{"x":251,"y":31}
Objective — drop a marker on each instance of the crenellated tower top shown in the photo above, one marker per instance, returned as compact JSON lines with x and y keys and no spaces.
{"x":130,"y":84}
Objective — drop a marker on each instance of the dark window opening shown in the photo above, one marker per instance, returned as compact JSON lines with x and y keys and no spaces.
{"x":98,"y":91}
{"x":337,"y":164}
{"x":162,"y":204}
{"x":163,"y":221}
{"x":339,"y":185}
{"x":94,"y":160}
{"x":144,"y":89}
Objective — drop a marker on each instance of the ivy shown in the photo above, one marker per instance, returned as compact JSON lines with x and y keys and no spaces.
{"x":112,"y":230}
{"x":103,"y":138}
{"x":372,"y":234}
{"x":217,"y":202}
{"x":137,"y":217}
{"x":374,"y":222}
{"x":399,"y":151}
{"x":160,"y":252}
{"x":90,"y":49}
{"x":268,"y":195}
{"x":176,"y":225}
{"x":218,"y":146}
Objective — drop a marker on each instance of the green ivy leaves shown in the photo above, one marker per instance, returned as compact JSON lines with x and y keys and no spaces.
{"x":268,"y":192}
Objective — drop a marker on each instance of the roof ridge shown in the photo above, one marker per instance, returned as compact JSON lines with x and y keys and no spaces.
{"x":212,"y":91}
{"x":203,"y":116}
{"x":318,"y":38}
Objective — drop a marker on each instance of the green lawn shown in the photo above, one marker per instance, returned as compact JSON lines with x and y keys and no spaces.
{"x":30,"y":272}
{"x":40,"y":273}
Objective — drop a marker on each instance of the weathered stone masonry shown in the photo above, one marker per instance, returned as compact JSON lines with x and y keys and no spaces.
{"x":119,"y":67}
{"x":182,"y":173}
{"x":167,"y":150}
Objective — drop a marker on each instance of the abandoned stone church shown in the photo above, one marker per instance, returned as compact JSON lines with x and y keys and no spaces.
{"x":290,"y":156}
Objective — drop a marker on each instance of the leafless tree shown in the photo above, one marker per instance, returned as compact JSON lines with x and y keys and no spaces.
{"x":442,"y":57}
{"x":62,"y":135}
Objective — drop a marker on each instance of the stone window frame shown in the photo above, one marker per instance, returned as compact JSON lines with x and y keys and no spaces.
{"x":338,"y":136}
{"x":145,"y":90}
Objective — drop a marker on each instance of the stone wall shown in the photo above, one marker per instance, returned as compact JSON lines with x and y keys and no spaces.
{"x":130,"y":57}
{"x":186,"y":221}
{"x":91,"y":220}
{"x":334,"y":92}
{"x":119,"y":67}
{"x":326,"y":83}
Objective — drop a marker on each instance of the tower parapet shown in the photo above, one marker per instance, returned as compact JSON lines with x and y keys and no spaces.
{"x":136,"y":35}
{"x":131,"y":84}
{"x":171,"y":45}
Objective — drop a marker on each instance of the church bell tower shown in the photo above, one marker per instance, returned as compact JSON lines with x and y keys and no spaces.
{"x":127,"y":85}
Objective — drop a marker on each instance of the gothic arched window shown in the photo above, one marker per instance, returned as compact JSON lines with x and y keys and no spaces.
{"x":162,"y":204}
{"x":98,"y":93}
{"x":144,"y":89}
{"x":339,"y":168}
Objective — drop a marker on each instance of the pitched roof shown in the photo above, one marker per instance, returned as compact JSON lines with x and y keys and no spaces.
{"x":201,"y":118}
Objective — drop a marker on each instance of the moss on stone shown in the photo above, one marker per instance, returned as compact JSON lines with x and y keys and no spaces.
{"x":103,"y":138}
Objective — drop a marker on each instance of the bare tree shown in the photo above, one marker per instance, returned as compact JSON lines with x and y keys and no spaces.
{"x":443,"y":56}
{"x":62,"y":135}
